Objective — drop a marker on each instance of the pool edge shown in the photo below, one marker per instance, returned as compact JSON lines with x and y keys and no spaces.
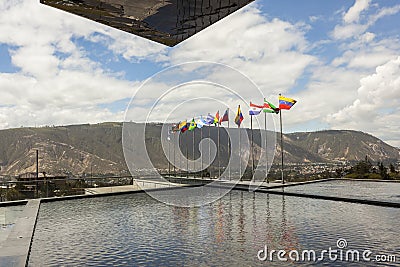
{"x":18,"y":244}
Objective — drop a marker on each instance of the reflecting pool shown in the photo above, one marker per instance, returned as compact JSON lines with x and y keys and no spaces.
{"x":136,"y":230}
{"x":378,"y":191}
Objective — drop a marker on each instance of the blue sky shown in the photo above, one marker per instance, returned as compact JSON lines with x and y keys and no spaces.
{"x":339,"y":59}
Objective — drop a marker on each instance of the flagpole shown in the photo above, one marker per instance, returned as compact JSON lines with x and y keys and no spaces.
{"x":201,"y":155}
{"x":181,"y":151}
{"x":169,"y":155}
{"x":174,"y":157}
{"x":194,"y":163}
{"x":240,"y":157}
{"x":209,"y":149}
{"x":266,"y":150}
{"x":280,"y":117}
{"x":229,"y":150}
{"x":187,"y":162}
{"x":219,"y":165}
{"x":252,"y":144}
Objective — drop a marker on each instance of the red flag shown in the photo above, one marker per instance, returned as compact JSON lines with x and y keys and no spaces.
{"x":225,"y":117}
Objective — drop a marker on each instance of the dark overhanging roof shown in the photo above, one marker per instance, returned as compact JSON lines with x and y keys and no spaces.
{"x":164,"y":21}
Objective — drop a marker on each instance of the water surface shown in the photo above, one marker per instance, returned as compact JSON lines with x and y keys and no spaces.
{"x":378,"y":191}
{"x":136,"y":230}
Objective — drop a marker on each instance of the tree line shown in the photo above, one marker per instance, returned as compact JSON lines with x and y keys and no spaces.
{"x":364,"y":169}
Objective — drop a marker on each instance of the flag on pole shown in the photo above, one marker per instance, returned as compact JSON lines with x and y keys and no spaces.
{"x":239,"y":117}
{"x":267,"y":110}
{"x":210,"y":119}
{"x":216,"y":118}
{"x":183,"y":126}
{"x":225,"y":117}
{"x":192,"y":125}
{"x":200,"y":122}
{"x":285,"y":102}
{"x":255,"y":109}
{"x":269,"y":107}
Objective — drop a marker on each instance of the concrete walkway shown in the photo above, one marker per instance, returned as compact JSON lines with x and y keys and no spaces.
{"x":272,"y":184}
{"x":138,"y":185}
{"x":15,"y":250}
{"x":141,"y":184}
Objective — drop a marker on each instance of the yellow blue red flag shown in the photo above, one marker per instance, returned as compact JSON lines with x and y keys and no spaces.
{"x":286,"y":102}
{"x":239,"y":117}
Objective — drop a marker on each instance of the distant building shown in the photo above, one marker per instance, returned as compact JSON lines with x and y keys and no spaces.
{"x":28,"y":184}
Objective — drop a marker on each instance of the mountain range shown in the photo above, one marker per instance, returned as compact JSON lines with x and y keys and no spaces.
{"x":97,"y":148}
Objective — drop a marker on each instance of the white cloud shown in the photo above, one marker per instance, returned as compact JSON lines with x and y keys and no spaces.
{"x":370,"y":60}
{"x":24,"y":116}
{"x":330,"y":89}
{"x":41,"y":25}
{"x":367,"y":37}
{"x":367,"y":55}
{"x":376,"y":106}
{"x":70,"y":93}
{"x":273,"y":53}
{"x":314,"y":19}
{"x":353,"y":14}
{"x":362,"y":49}
{"x":386,"y":11}
{"x":49,"y":88}
{"x":352,"y":27}
{"x":134,"y":48}
{"x":265,"y":50}
{"x":31,"y":24}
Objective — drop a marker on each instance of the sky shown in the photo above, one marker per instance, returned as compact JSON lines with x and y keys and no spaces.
{"x":339,"y":59}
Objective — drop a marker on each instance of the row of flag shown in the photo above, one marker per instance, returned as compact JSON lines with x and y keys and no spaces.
{"x":267,"y":107}
{"x":199,"y":123}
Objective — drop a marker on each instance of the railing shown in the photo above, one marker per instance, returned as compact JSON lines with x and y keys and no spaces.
{"x":57,"y":187}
